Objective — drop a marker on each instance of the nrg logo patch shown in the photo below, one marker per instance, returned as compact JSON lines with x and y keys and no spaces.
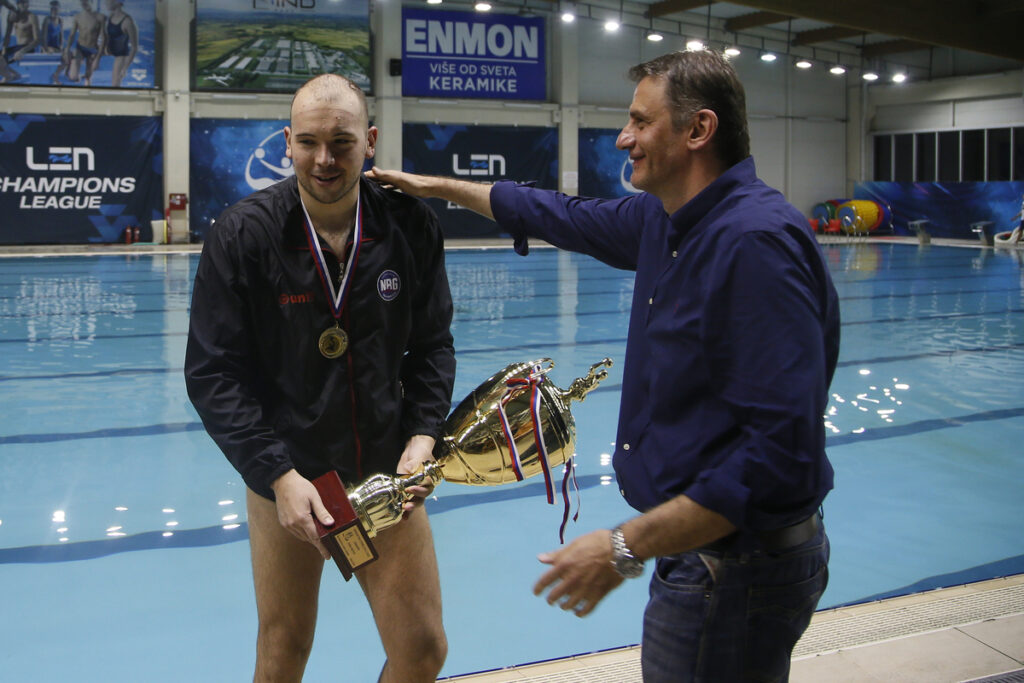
{"x":389,"y":285}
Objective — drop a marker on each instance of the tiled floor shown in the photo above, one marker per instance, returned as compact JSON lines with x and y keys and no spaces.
{"x":944,"y":636}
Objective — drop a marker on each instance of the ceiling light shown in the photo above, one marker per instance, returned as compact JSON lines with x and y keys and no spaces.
{"x":732,"y":51}
{"x":611,"y":26}
{"x":768,"y":57}
{"x":838,"y":70}
{"x":654,"y":36}
{"x":433,"y":2}
{"x":870,"y":76}
{"x":899,"y":77}
{"x":482,"y":7}
{"x":694,"y":45}
{"x":568,"y":17}
{"x":803,"y":64}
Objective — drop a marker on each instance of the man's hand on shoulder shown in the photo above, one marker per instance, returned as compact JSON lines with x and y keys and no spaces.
{"x":297,"y":502}
{"x":474,"y":196}
{"x":409,"y":183}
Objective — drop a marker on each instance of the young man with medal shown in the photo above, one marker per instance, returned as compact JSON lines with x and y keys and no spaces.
{"x":733,"y":339}
{"x":319,"y":341}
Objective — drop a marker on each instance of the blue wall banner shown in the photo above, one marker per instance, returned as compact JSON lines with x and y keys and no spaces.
{"x":89,"y":43}
{"x":604,"y":170}
{"x":231,"y":159}
{"x":949,"y":208}
{"x":480,"y":153}
{"x":277,"y":45}
{"x":79,"y":179}
{"x":471,"y":55}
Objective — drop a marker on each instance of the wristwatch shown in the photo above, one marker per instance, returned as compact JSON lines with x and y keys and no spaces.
{"x":627,"y":564}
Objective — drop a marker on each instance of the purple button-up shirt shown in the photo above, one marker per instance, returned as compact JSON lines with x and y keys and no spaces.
{"x":733,"y":340}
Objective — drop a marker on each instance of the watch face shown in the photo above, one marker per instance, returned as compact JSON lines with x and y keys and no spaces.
{"x":629,"y":567}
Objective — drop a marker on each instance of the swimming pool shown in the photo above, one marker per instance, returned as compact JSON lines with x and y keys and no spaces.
{"x":122,"y":528}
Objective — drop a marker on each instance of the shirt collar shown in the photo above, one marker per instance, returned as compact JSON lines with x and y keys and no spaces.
{"x":695,"y":210}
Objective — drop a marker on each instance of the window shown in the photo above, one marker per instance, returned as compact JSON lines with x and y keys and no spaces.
{"x":925,"y":157}
{"x":972,"y":156}
{"x":904,"y":158}
{"x":949,"y":156}
{"x":883,"y":157}
{"x":998,"y":154}
{"x":1018,"y":153}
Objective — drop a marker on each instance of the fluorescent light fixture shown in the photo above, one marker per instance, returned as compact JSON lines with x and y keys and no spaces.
{"x":655,"y":37}
{"x":803,"y":64}
{"x":768,"y":57}
{"x":611,"y":26}
{"x":870,"y":76}
{"x":838,"y":70}
{"x":694,"y":45}
{"x":433,"y":2}
{"x":732,"y":51}
{"x":482,"y":7}
{"x":899,"y":77}
{"x":568,"y":17}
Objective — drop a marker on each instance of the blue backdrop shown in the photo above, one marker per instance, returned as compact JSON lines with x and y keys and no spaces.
{"x":78,"y":179}
{"x":950,"y":208}
{"x":481,"y":153}
{"x":604,"y":170}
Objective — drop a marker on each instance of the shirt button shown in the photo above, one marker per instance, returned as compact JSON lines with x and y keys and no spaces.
{"x":675,"y":254}
{"x":622,"y":492}
{"x":651,"y":300}
{"x":625,"y":446}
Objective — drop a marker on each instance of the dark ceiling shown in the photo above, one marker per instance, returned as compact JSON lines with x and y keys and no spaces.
{"x":878,"y":27}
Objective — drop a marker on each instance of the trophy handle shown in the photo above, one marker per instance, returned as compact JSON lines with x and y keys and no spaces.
{"x":581,"y":386}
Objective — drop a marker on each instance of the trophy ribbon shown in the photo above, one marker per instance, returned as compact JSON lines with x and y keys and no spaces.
{"x":333,"y":341}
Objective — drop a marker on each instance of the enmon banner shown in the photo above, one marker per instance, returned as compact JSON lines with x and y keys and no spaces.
{"x":79,"y":179}
{"x":470,"y":55}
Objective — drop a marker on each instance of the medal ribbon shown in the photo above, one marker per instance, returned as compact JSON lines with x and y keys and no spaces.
{"x":533,"y":382}
{"x":336,"y":299}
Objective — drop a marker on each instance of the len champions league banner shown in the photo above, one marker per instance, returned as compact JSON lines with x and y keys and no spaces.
{"x":78,"y":179}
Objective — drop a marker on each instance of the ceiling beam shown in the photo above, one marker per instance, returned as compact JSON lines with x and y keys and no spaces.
{"x":660,"y":9}
{"x":754,"y":19}
{"x":821,"y":35}
{"x":952,"y":23}
{"x":891,"y":47}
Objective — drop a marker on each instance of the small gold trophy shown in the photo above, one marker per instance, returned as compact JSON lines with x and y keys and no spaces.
{"x":515,"y":425}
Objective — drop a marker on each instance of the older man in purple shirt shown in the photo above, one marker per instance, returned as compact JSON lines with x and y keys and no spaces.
{"x":733,"y":340}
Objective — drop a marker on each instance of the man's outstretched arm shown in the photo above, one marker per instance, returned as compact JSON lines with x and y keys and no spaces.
{"x":474,"y":196}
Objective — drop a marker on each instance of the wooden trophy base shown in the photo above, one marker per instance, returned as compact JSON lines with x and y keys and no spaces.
{"x":347,"y":541}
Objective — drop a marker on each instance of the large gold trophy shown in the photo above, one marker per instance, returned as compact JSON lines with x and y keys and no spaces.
{"x":515,"y":425}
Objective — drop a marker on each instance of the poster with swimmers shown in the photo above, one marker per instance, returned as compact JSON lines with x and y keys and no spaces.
{"x":79,"y":179}
{"x":277,"y":45}
{"x":86,"y":43}
{"x":480,"y":153}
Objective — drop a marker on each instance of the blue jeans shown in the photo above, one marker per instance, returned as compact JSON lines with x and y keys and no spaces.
{"x":717,"y":617}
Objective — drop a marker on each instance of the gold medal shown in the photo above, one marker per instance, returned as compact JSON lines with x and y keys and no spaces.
{"x":333,"y":342}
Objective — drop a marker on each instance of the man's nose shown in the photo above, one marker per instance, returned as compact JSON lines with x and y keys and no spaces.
{"x":324,"y":157}
{"x":625,"y":139}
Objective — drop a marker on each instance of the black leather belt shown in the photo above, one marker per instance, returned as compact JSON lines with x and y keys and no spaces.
{"x":773,"y":541}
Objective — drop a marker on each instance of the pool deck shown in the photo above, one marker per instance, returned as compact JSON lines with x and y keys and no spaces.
{"x":965,"y":633}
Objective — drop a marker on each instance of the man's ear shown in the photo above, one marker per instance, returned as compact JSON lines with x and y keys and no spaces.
{"x":703,"y":127}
